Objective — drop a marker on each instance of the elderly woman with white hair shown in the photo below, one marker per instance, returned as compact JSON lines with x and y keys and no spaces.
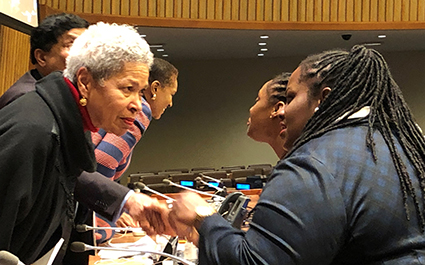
{"x":45,"y":145}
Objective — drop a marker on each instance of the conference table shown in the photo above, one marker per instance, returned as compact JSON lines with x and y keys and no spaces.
{"x":130,"y":238}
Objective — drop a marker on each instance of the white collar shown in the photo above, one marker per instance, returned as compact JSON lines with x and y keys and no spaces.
{"x":363,"y":112}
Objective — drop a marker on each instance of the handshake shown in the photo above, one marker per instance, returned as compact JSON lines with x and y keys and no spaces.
{"x":182,"y":218}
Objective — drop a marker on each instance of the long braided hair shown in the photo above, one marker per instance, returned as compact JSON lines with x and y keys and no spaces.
{"x":362,"y":78}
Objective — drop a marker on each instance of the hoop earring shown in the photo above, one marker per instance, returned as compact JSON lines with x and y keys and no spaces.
{"x":83,"y":102}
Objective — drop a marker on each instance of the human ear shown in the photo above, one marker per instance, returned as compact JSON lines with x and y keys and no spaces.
{"x":84,"y":81}
{"x":276,"y":109}
{"x":325,"y":92}
{"x":39,"y":56}
{"x":154,"y":87}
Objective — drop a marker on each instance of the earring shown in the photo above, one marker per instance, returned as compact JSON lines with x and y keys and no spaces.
{"x":316,"y":109}
{"x":271,"y":116}
{"x":153,"y":97}
{"x":83,"y":102}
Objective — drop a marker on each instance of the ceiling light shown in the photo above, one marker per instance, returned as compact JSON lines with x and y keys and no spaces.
{"x":160,"y":50}
{"x":372,"y":44}
{"x":262,"y":43}
{"x":156,"y":45}
{"x":165,"y":55}
{"x":143,"y":35}
{"x":263,"y":49}
{"x":260,"y":54}
{"x":382,"y":36}
{"x":264,"y":36}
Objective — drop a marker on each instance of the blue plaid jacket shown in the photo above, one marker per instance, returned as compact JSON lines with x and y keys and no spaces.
{"x":329,"y":202}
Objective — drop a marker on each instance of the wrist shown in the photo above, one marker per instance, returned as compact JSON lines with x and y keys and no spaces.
{"x":202,"y":212}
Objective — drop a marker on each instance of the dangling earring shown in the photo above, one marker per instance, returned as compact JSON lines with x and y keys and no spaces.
{"x":83,"y":102}
{"x":153,"y":97}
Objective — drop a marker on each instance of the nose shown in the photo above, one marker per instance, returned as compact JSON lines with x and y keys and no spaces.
{"x":136,"y":103}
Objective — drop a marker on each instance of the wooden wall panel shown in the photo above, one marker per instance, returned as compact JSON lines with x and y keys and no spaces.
{"x":253,"y":10}
{"x":342,"y":11}
{"x":310,"y":11}
{"x":276,"y":10}
{"x":405,"y":7}
{"x":243,"y":10}
{"x":373,"y":10}
{"x":414,"y":9}
{"x":382,"y":11}
{"x":210,"y":9}
{"x":160,"y":8}
{"x":421,"y":10}
{"x":97,"y":7}
{"x":397,"y":10}
{"x":14,"y":56}
{"x":350,"y":11}
{"x":293,"y":9}
{"x":234,"y":10}
{"x":259,"y":14}
{"x":333,"y":16}
{"x":178,"y":8}
{"x":318,"y":7}
{"x":302,"y":14}
{"x":186,"y":9}
{"x":194,"y":9}
{"x":203,"y":9}
{"x":268,"y":10}
{"x":134,"y":8}
{"x":226,"y":10}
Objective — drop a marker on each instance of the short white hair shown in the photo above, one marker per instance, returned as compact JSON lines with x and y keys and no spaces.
{"x":104,"y":48}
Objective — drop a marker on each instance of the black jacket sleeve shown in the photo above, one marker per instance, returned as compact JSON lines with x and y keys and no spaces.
{"x":100,"y":194}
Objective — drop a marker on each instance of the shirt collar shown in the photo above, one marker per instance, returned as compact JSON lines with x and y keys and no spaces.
{"x":363,"y":112}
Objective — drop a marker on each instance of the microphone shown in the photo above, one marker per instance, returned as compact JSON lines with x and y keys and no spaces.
{"x":209,"y":184}
{"x":210,"y":178}
{"x":142,"y":186}
{"x":7,"y":258}
{"x":81,"y":247}
{"x":84,"y":228}
{"x":169,"y":182}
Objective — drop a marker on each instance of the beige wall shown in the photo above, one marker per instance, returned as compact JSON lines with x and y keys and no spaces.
{"x":207,"y":124}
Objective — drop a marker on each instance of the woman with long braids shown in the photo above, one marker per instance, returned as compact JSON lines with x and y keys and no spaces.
{"x":351,"y":188}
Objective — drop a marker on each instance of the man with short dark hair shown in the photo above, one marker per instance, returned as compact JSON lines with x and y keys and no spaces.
{"x":50,"y":43}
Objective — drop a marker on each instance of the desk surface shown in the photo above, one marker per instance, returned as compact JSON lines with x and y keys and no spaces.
{"x":129,"y":238}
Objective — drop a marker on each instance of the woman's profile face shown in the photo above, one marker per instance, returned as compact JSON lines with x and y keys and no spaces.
{"x":113,"y":106}
{"x":261,"y":127}
{"x":164,"y":98}
{"x":298,"y":110}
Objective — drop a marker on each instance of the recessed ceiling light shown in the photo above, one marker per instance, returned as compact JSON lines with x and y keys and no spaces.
{"x":165,"y":55}
{"x":262,"y":43}
{"x":372,"y":44}
{"x":382,"y":36}
{"x":143,"y":35}
{"x":156,"y":45}
{"x":160,"y":50}
{"x":263,"y":49}
{"x":264,"y":36}
{"x":260,"y":54}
